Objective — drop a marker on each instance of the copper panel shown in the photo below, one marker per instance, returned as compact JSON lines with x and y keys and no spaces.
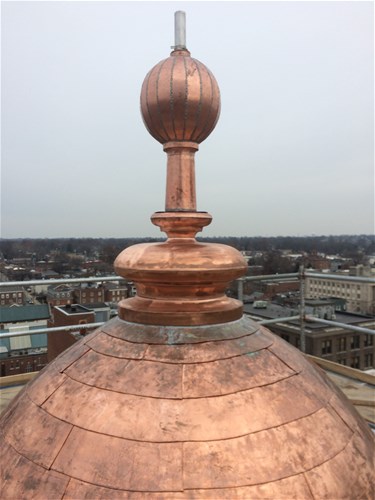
{"x":171,"y":335}
{"x":143,"y":378}
{"x":226,"y":376}
{"x":160,"y":420}
{"x":178,"y":98}
{"x":118,"y":348}
{"x":267,"y":455}
{"x":340,"y":403}
{"x":119,"y":463}
{"x":350,"y":474}
{"x":22,"y":479}
{"x":294,"y":488}
{"x":43,"y":385}
{"x":70,"y":356}
{"x":152,"y":121}
{"x":163,"y":98}
{"x":207,"y":351}
{"x":39,"y":442}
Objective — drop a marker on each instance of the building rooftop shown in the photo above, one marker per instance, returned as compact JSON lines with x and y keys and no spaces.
{"x":17,"y":313}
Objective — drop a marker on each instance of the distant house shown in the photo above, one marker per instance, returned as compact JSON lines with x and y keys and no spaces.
{"x":88,"y":294}
{"x":59,"y":295}
{"x":115,"y":292}
{"x":12,"y":295}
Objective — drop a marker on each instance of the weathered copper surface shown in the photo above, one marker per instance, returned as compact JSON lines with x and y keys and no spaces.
{"x":222,"y":411}
{"x":180,"y":99}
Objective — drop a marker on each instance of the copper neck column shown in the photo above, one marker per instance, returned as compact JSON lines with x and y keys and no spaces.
{"x":180,"y":193}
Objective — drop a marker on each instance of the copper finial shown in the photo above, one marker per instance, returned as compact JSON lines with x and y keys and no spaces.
{"x":180,"y":281}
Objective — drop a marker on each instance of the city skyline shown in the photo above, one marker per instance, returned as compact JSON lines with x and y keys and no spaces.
{"x":292,"y":153}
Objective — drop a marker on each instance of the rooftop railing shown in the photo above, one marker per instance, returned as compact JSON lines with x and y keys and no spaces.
{"x":299,"y":276}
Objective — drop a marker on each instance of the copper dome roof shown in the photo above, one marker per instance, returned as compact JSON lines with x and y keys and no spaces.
{"x":180,"y":396}
{"x":221,"y":412}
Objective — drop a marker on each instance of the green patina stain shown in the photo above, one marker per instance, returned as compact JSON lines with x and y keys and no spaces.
{"x":252,"y":354}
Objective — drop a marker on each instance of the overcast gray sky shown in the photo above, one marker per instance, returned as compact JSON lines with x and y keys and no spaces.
{"x":292,"y":153}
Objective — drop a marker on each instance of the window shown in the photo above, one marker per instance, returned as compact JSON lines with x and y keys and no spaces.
{"x":342,"y":361}
{"x":369,"y":340}
{"x":368,"y":361}
{"x":341,"y":344}
{"x":285,"y":337}
{"x":14,"y":295}
{"x":354,"y":342}
{"x":326,"y":346}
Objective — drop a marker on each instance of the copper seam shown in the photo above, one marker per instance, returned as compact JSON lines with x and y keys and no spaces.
{"x":27,"y":458}
{"x":329,"y":459}
{"x":53,"y":392}
{"x":283,"y":477}
{"x":61,"y":370}
{"x":145,"y":441}
{"x":158,"y":102}
{"x":163,"y":492}
{"x":67,"y":485}
{"x":181,"y":362}
{"x":208,"y":132}
{"x":199,"y":110}
{"x":182,"y":398}
{"x":187,"y":343}
{"x":171,"y":99}
{"x":282,"y":360}
{"x":206,"y":125}
{"x":21,"y":455}
{"x":58,"y":453}
{"x":190,"y":343}
{"x":148,"y":107}
{"x":337,"y":413}
{"x":186,"y":101}
{"x":308,"y":485}
{"x":144,"y":358}
{"x":187,"y":363}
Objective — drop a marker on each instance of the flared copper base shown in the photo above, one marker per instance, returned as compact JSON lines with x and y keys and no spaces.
{"x":180,"y":281}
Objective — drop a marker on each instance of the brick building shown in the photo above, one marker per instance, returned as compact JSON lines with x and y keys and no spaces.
{"x":59,"y":295}
{"x":333,"y":343}
{"x":359,"y":296}
{"x":12,"y":295}
{"x":88,"y":294}
{"x":67,"y":315}
{"x":115,"y":292}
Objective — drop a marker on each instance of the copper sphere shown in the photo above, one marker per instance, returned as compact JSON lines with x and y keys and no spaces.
{"x":180,"y":99}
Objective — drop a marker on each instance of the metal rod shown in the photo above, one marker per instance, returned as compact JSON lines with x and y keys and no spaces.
{"x":302,"y":311}
{"x":60,"y":281}
{"x":50,"y":330}
{"x":278,"y":320}
{"x":240,"y":289}
{"x":180,"y":30}
{"x":271,"y":277}
{"x":344,"y":326}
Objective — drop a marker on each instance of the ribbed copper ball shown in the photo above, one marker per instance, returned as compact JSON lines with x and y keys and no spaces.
{"x":180,"y":99}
